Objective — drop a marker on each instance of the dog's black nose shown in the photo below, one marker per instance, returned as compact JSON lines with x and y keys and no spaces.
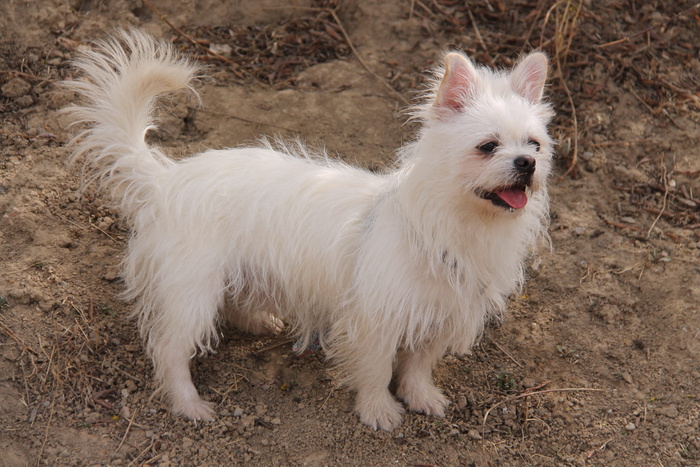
{"x":525,"y":164}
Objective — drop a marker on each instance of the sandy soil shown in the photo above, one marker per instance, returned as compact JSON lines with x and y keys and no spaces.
{"x":597,"y":362}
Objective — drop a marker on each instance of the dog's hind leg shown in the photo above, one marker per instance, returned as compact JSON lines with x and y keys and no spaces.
{"x":186,"y":325}
{"x":172,"y":361}
{"x":415,"y":380}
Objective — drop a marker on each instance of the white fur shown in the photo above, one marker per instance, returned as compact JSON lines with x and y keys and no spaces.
{"x":391,"y":270}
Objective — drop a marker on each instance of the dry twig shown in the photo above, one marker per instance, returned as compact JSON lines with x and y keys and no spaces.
{"x":274,"y":346}
{"x":48,"y":424}
{"x":131,"y":421}
{"x":508,"y":354}
{"x":663,"y":202}
{"x":247,"y":120}
{"x":480,"y":39}
{"x":620,"y":225}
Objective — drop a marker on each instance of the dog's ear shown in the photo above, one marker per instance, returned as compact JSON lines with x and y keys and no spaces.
{"x":458,"y":82}
{"x":529,"y":75}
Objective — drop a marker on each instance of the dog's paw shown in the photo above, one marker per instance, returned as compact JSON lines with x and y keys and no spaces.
{"x":270,"y":324}
{"x":196,"y":409}
{"x":426,"y":399}
{"x":384,"y":413}
{"x":259,"y":323}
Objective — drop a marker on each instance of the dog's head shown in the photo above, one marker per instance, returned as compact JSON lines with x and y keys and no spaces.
{"x":490,"y":129}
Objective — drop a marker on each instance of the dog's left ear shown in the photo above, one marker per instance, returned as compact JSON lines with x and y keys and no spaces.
{"x":529,"y":75}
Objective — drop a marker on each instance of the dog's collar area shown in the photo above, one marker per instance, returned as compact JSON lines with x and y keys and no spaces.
{"x":453,"y":265}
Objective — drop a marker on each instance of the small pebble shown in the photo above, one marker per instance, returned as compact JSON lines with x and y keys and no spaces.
{"x":630,"y":426}
{"x":670,"y":411}
{"x":24,"y":101}
{"x":16,"y":87}
{"x":461,"y":401}
{"x":529,"y":382}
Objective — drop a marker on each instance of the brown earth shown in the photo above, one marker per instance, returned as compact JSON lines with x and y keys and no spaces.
{"x":608,"y":323}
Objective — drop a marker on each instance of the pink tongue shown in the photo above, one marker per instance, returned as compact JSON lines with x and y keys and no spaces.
{"x":516,"y":199}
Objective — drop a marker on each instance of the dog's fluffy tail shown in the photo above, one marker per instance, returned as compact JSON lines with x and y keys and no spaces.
{"x":121,"y":79}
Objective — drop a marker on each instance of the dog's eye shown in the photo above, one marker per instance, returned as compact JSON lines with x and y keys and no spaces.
{"x":534,"y":143}
{"x":489,"y":147}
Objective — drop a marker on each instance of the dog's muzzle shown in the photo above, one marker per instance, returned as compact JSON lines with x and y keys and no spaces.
{"x":525,"y":167}
{"x":514,"y":196}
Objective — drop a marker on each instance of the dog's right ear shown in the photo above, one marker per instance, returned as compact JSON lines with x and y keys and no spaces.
{"x":529,"y":76}
{"x":458,"y":83}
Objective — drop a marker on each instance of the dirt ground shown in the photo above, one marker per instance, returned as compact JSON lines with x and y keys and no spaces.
{"x":598,"y":361}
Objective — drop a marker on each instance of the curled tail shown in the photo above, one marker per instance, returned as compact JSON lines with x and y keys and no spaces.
{"x":121,"y":79}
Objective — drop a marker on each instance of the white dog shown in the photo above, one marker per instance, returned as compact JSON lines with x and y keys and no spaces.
{"x":390,"y":270}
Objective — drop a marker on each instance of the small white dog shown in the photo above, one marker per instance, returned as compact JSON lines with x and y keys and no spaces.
{"x":390,"y":270}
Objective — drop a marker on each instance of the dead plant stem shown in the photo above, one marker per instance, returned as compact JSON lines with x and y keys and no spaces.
{"x":663,"y":202}
{"x":131,"y":421}
{"x":508,"y":354}
{"x":480,"y":39}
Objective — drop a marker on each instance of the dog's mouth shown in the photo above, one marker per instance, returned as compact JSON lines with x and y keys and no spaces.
{"x":511,"y":197}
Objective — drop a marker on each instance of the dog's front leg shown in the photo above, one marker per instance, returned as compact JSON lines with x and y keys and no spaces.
{"x":370,"y":374}
{"x":415,"y":380}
